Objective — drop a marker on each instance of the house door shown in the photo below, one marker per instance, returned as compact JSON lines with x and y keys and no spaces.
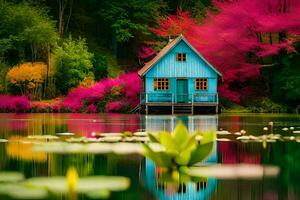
{"x":182,"y":91}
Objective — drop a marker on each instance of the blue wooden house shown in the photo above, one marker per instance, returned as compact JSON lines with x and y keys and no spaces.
{"x":180,"y":79}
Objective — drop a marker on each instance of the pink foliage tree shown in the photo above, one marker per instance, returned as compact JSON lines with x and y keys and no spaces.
{"x":110,"y":95}
{"x":146,"y":52}
{"x":236,"y":38}
{"x":10,"y":103}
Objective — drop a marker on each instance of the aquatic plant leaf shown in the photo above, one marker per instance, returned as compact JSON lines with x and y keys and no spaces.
{"x":184,"y":157}
{"x":160,"y":158}
{"x":208,"y":137}
{"x":168,"y":142}
{"x":180,"y":133}
{"x":233,"y":171}
{"x":191,"y":143}
{"x":11,"y":176}
{"x":153,"y":137}
{"x":201,"y":152}
{"x":100,"y":194}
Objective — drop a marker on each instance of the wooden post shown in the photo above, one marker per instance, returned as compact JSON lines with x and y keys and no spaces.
{"x":172,"y":109}
{"x":146,"y":104}
{"x":172,"y":104}
{"x":192,"y":104}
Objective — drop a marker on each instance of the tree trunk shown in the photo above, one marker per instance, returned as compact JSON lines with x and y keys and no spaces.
{"x":297,"y":109}
{"x":69,"y":16}
{"x":61,"y":10}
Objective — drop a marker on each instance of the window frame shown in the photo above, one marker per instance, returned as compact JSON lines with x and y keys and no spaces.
{"x":201,"y":84}
{"x":181,"y":57}
{"x":161,"y":84}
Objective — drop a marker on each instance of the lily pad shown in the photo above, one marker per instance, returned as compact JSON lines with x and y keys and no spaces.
{"x":90,"y":148}
{"x":18,"y":191}
{"x":58,"y":147}
{"x":40,"y":137}
{"x":136,"y":139}
{"x":57,"y":185}
{"x":11,"y":176}
{"x":3,"y":140}
{"x":141,"y":134}
{"x":65,"y":134}
{"x":231,"y":171}
{"x":110,"y":134}
{"x":243,"y":137}
{"x":111,"y":139}
{"x":223,"y":140}
{"x":98,"y":148}
{"x":76,"y":139}
{"x":223,"y":133}
{"x":296,"y":131}
{"x":127,"y":148}
{"x":101,"y":194}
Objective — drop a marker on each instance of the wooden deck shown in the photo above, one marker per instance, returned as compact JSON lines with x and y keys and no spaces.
{"x":153,"y":101}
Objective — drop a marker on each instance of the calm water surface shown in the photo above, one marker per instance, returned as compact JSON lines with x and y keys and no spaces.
{"x":142,"y":172}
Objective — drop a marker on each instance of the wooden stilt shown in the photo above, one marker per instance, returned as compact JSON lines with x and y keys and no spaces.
{"x":172,"y":109}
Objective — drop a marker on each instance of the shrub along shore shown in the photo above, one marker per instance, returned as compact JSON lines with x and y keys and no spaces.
{"x":108,"y":95}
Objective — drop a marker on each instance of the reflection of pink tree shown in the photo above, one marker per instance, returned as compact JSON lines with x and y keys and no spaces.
{"x":235,"y":122}
{"x":232,"y":152}
{"x":19,"y":122}
{"x":87,"y":124}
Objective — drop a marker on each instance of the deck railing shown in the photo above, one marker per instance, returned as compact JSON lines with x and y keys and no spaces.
{"x":205,"y":98}
{"x":157,"y":98}
{"x":173,"y":98}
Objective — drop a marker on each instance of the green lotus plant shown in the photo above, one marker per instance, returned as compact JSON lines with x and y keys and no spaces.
{"x":179,"y":148}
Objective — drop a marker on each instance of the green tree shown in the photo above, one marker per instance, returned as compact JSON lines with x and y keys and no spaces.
{"x":73,"y":62}
{"x":283,"y":78}
{"x":100,"y":66}
{"x":26,"y":32}
{"x":127,"y":19}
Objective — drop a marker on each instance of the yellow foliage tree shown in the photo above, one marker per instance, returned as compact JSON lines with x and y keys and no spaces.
{"x":29,"y":77}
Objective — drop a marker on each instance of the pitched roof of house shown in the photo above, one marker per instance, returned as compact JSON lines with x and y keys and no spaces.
{"x":168,"y":48}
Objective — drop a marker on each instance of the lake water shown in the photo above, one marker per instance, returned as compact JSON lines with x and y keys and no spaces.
{"x":16,"y":156}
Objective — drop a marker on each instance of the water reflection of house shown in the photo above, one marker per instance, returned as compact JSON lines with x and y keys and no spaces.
{"x":202,"y":189}
{"x":167,"y":123}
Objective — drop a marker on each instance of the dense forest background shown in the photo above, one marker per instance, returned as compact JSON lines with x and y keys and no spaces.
{"x":48,"y":47}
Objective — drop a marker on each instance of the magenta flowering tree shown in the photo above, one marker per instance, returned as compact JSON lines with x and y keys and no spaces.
{"x":108,"y":95}
{"x":238,"y":37}
{"x":9,"y":103}
{"x":146,"y":52}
